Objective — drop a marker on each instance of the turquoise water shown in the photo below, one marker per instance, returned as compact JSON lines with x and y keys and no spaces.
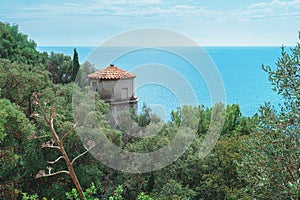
{"x":244,"y":81}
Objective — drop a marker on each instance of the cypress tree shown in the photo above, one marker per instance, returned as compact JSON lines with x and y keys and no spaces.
{"x":75,"y":65}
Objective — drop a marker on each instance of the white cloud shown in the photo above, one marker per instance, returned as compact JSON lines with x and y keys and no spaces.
{"x":102,"y":18}
{"x":185,"y":7}
{"x":275,"y":8}
{"x":159,"y":8}
{"x":135,"y":2}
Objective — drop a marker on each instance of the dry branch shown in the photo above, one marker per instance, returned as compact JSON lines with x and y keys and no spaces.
{"x":70,"y":131}
{"x":50,"y":144}
{"x":42,"y":173}
{"x":91,"y":145}
{"x":55,"y":161}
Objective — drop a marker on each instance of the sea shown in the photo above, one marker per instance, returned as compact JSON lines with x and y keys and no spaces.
{"x":167,"y":79}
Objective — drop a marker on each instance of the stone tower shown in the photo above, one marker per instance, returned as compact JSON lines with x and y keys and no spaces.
{"x":115,"y":86}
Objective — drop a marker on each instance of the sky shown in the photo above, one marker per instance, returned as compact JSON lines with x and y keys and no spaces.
{"x":207,"y":22}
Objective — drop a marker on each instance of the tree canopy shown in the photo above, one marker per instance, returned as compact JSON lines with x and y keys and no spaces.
{"x":256,"y":157}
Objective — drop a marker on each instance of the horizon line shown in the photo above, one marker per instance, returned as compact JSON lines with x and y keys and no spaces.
{"x":169,"y":46}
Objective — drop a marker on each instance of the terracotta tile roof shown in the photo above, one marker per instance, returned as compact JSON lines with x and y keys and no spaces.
{"x":111,"y":72}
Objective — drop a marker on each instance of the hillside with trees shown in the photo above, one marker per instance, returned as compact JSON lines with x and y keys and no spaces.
{"x":42,"y":155}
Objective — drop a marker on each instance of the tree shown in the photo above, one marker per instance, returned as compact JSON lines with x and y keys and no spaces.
{"x":60,"y":68}
{"x":24,"y":70}
{"x":16,"y":46}
{"x":36,"y":158}
{"x":19,"y":80}
{"x":117,"y":194}
{"x":15,"y":129}
{"x":233,"y":115}
{"x":76,"y":65}
{"x":57,"y":143}
{"x":173,"y":190}
{"x":271,"y":167}
{"x":85,"y":69}
{"x":199,"y":117}
{"x":144,"y":118}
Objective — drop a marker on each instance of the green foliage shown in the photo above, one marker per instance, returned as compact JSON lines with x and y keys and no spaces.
{"x":271,"y":166}
{"x":76,"y":65}
{"x":285,"y":78}
{"x":60,"y":68}
{"x":14,"y":129}
{"x":18,"y":81}
{"x":16,"y":46}
{"x":143,"y":196}
{"x":233,"y":115}
{"x":72,"y":195}
{"x":220,"y":177}
{"x":20,"y":75}
{"x":85,"y":69}
{"x":176,"y":117}
{"x":25,"y":196}
{"x":173,"y":190}
{"x":199,"y":118}
{"x":89,"y":193}
{"x":255,"y":157}
{"x":117,"y":194}
{"x":144,"y":118}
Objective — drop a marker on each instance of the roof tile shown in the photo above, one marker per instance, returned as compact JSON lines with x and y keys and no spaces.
{"x":111,"y":72}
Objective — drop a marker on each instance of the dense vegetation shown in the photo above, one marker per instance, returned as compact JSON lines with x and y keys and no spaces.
{"x":255,"y":157}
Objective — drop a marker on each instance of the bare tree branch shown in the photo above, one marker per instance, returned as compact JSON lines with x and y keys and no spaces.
{"x":43,"y":174}
{"x":33,"y":136}
{"x":51,"y":114}
{"x":48,"y":121}
{"x":50,"y":144}
{"x":55,"y":161}
{"x":51,"y":147}
{"x":56,"y":139}
{"x":46,"y":102}
{"x":42,"y":136}
{"x":70,"y":131}
{"x":34,"y":114}
{"x":291,"y":173}
{"x":91,"y":144}
{"x":79,"y":156}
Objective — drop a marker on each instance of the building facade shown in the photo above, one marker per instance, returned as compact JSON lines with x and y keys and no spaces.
{"x":115,"y":86}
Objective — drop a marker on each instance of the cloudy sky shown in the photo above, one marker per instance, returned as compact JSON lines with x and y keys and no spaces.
{"x":208,"y":22}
